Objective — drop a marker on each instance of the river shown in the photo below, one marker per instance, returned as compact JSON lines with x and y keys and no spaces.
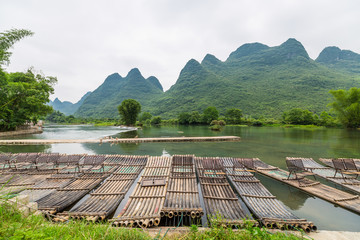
{"x":270,"y":144}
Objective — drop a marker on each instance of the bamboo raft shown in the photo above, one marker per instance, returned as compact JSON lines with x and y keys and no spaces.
{"x":71,"y":193}
{"x":105,"y":199}
{"x":329,"y":174}
{"x":146,"y":202}
{"x":330,"y":194}
{"x":120,"y":140}
{"x":221,"y":204}
{"x":266,"y":208}
{"x":182,"y":197}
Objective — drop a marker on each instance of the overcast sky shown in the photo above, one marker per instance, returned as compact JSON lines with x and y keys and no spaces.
{"x":82,"y":42}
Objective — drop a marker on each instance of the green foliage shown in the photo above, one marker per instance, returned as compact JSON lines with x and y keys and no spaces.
{"x":233,"y":116}
{"x":129,"y":110}
{"x":184,"y":118}
{"x":156,"y":120}
{"x":24,"y":98}
{"x":145,"y":116}
{"x":8,"y":39}
{"x":299,"y":116}
{"x":14,"y":226}
{"x":347,"y":106}
{"x":210,"y":113}
{"x":195,"y":118}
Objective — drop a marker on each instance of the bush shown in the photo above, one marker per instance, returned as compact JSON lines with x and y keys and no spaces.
{"x":156,"y":120}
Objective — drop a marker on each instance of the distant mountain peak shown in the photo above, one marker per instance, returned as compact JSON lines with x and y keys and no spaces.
{"x":334,"y":54}
{"x":156,"y":82}
{"x":192,"y":65}
{"x":210,"y":59}
{"x":135,"y":72}
{"x":294,"y":48}
{"x":247,"y":49}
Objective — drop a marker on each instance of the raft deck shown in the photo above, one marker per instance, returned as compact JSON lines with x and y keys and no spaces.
{"x":147,"y":200}
{"x":330,"y":194}
{"x":182,"y":198}
{"x":266,"y":208}
{"x":219,"y":198}
{"x":104,"y":200}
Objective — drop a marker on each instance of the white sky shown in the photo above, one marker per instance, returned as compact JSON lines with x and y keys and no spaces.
{"x":82,"y":42}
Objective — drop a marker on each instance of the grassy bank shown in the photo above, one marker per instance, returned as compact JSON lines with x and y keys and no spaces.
{"x":13,"y":225}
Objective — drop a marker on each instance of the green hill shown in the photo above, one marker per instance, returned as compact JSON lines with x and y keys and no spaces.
{"x":104,"y":100}
{"x":260,"y":80}
{"x":344,"y":60}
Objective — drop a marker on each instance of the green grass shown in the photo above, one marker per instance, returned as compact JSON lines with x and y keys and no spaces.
{"x":13,"y":225}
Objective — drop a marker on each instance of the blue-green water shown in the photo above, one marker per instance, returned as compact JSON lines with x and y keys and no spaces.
{"x":270,"y":144}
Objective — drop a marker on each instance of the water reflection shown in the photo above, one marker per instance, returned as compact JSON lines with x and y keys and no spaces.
{"x":293,"y":198}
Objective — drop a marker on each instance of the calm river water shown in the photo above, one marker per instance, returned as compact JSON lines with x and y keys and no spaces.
{"x":270,"y":144}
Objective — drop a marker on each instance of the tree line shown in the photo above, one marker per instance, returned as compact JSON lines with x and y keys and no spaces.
{"x":345,"y":107}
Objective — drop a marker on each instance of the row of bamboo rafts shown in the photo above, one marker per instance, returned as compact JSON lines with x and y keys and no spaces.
{"x":38,"y":175}
{"x":105,"y":199}
{"x":221,"y":204}
{"x":146,"y":201}
{"x":182,"y":197}
{"x":329,"y":173}
{"x":265,"y":207}
{"x":71,"y":193}
{"x":336,"y":196}
{"x":80,"y":186}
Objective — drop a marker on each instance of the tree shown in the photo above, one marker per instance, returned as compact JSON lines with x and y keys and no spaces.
{"x":347,"y":106}
{"x":233,"y":116}
{"x":298,"y":116}
{"x":184,"y":118}
{"x":27,"y":95}
{"x":23,"y":96}
{"x":195,"y":118}
{"x":210,"y":113}
{"x":145,"y":116}
{"x":129,"y":110}
{"x":156,"y":120}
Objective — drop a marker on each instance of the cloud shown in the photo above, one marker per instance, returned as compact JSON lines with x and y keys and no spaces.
{"x":82,"y":42}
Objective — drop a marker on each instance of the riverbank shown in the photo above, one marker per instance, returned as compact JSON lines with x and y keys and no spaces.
{"x":32,"y":130}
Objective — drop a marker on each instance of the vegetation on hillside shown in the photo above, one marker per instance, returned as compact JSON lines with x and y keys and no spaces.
{"x":23,"y":95}
{"x":263,"y":81}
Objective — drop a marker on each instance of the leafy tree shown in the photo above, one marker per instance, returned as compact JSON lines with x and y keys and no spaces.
{"x":129,"y":110}
{"x":145,"y":116}
{"x":210,"y":113}
{"x":326,"y":120}
{"x":233,"y":116}
{"x":156,"y":120}
{"x":195,"y":118}
{"x":298,"y":116}
{"x":26,"y":97}
{"x":184,"y":118}
{"x":347,"y":106}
